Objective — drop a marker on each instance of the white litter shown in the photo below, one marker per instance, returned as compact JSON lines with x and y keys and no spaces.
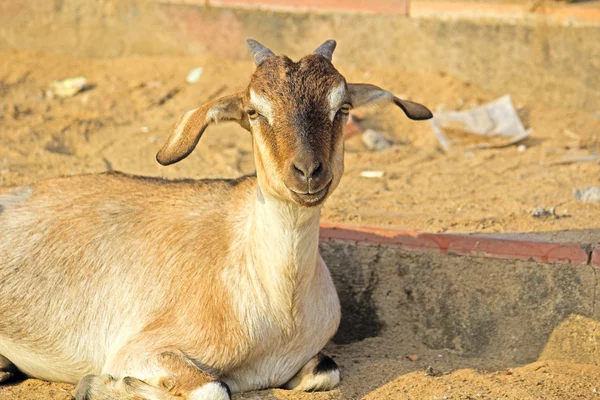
{"x":496,"y":119}
{"x":588,"y":195}
{"x":375,"y":141}
{"x":372,"y":174}
{"x":68,"y":87}
{"x":194,"y":75}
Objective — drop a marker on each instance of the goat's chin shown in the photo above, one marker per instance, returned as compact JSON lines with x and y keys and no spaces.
{"x":310,"y":200}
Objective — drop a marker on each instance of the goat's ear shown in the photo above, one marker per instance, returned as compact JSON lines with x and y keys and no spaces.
{"x":363,"y":93}
{"x":191,"y":126}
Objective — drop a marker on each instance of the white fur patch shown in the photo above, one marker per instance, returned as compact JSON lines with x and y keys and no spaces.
{"x":210,"y":391}
{"x":262,"y":105}
{"x":336,"y":97}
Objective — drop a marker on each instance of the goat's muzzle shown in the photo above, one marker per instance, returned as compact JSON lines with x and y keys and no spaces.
{"x":309,"y":180}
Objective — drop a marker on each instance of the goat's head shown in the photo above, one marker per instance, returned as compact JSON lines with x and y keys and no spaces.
{"x":296,"y":112}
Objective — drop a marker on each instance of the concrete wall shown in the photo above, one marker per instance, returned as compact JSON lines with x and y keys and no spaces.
{"x":476,"y":307}
{"x":543,"y":62}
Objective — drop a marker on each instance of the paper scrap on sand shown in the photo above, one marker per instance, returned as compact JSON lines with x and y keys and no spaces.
{"x":69,"y":87}
{"x":497,"y":124}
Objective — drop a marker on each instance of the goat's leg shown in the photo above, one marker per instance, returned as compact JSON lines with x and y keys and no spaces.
{"x":7,"y":369}
{"x":166,"y":376}
{"x":320,"y":373}
{"x":105,"y":387}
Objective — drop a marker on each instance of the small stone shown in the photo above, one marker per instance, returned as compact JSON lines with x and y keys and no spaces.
{"x":145,"y":129}
{"x":412,"y":357}
{"x":521,"y":148}
{"x":432,"y":372}
{"x":375,"y":141}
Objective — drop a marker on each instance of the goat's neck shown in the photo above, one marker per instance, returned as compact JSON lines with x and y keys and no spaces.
{"x":284,"y":245}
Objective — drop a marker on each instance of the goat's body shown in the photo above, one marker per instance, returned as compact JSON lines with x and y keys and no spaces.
{"x":137,"y":265}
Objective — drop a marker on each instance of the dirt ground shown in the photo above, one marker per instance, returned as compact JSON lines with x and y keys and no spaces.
{"x":122,"y":120}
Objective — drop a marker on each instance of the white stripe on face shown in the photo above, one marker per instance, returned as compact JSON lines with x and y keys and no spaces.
{"x":262,"y":105}
{"x":337,"y":97}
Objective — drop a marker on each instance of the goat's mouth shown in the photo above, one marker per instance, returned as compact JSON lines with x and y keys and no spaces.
{"x":308,"y":199}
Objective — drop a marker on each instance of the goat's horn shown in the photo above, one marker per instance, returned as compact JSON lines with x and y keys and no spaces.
{"x":258,"y":52}
{"x":326,"y":49}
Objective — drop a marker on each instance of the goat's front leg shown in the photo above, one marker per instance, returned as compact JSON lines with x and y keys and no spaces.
{"x":7,"y":370}
{"x":320,"y":373}
{"x":168,"y":375}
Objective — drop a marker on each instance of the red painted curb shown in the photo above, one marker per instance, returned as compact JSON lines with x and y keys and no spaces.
{"x":595,"y":259}
{"x":560,"y":13}
{"x":371,"y":6}
{"x":565,"y":14}
{"x":464,"y":245}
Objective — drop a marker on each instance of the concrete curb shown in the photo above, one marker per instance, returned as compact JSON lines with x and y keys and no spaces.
{"x":400,"y":7}
{"x":557,"y":13}
{"x":580,"y":14}
{"x":467,"y":245}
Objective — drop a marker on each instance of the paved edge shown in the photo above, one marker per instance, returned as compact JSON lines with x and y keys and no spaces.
{"x":578,"y":14}
{"x":467,"y":245}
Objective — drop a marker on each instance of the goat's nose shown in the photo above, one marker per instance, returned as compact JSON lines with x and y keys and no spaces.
{"x":307,"y":169}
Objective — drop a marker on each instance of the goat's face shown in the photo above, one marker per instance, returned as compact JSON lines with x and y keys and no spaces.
{"x":296,"y":112}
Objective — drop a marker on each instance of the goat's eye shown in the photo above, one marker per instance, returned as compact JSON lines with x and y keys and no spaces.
{"x":252,"y":113}
{"x":345,"y":109}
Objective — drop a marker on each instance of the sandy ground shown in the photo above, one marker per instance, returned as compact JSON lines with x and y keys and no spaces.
{"x":125,"y":117}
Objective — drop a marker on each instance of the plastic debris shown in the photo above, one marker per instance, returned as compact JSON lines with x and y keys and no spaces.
{"x":541,"y":212}
{"x":68,"y":87}
{"x":375,"y":141}
{"x":194,"y":75}
{"x":496,"y":124}
{"x":372,"y":174}
{"x":588,"y":195}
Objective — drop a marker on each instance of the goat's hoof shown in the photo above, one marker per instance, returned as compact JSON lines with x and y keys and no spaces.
{"x":216,"y":390}
{"x":319,"y":374}
{"x":6,"y":376}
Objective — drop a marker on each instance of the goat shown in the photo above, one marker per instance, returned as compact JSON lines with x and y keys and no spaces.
{"x":144,"y":288}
